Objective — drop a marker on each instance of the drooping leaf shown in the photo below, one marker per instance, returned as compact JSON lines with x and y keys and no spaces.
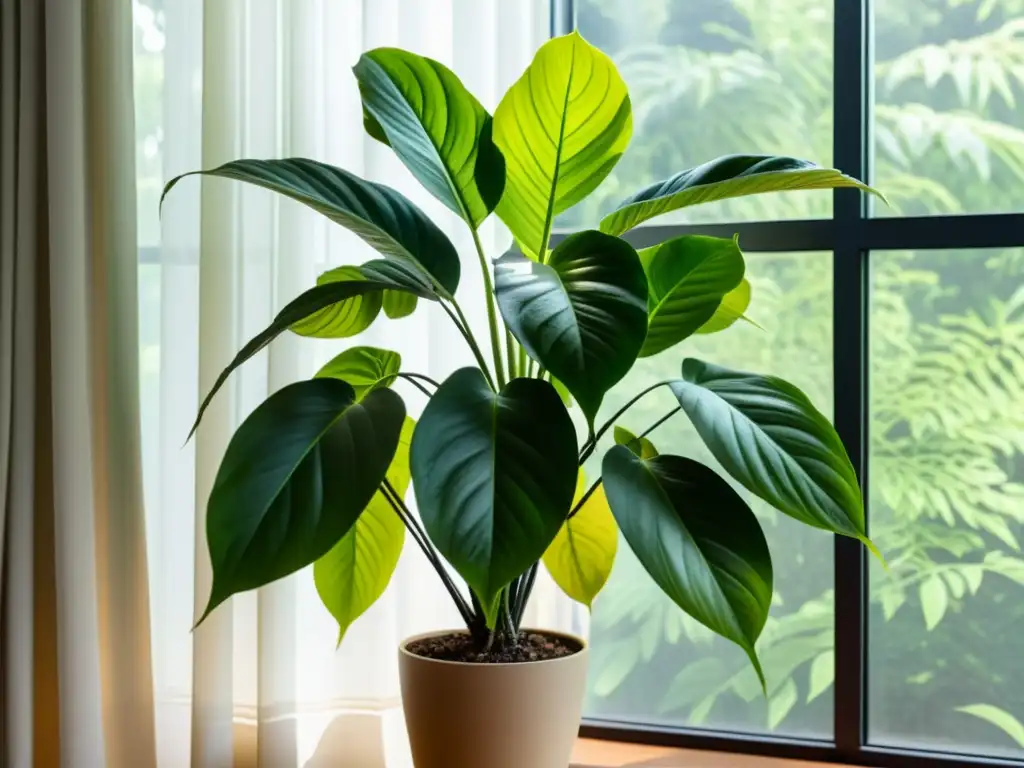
{"x":364,"y":368}
{"x":934,"y":601}
{"x":494,"y":475}
{"x":398,"y":305}
{"x":721,"y":178}
{"x":380,"y":215}
{"x":295,"y":476}
{"x":688,"y":277}
{"x":345,"y":318}
{"x":781,"y":703}
{"x":823,"y":672}
{"x":1000,"y":718}
{"x":312,"y":301}
{"x":355,"y":572}
{"x":733,"y":305}
{"x":697,"y":539}
{"x":768,"y":436}
{"x":640,"y":446}
{"x":581,"y":557}
{"x":436,"y":127}
{"x":561,"y":127}
{"x":582,"y":315}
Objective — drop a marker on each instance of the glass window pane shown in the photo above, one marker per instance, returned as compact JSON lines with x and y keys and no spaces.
{"x":715,"y":78}
{"x":947,"y":500}
{"x":652,"y":663}
{"x":949,"y":105}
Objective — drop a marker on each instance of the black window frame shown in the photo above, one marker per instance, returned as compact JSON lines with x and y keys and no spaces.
{"x":851,"y":234}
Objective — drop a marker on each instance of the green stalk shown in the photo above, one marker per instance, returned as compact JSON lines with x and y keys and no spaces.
{"x":591,"y":444}
{"x":510,"y":354}
{"x":460,"y":322}
{"x":523,"y":363}
{"x":492,"y":319}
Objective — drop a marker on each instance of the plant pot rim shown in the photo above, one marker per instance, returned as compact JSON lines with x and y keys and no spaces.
{"x":403,"y":649}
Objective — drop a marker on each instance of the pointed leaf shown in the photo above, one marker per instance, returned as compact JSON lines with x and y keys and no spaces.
{"x":768,"y":436}
{"x":724,"y":177}
{"x":364,"y":368}
{"x":823,"y":672}
{"x":380,"y":215}
{"x":582,"y":315}
{"x":934,"y":601}
{"x":355,"y":572}
{"x":697,"y":539}
{"x":561,"y":127}
{"x":781,"y":703}
{"x":345,"y":318}
{"x":293,"y":480}
{"x":733,"y":305}
{"x":493,"y":488}
{"x":687,"y":277}
{"x":436,"y":127}
{"x":1000,"y":718}
{"x":640,"y":446}
{"x":581,"y":557}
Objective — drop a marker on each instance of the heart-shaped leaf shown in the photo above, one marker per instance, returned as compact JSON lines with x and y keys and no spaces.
{"x":767,"y":434}
{"x":733,"y":305}
{"x":561,"y":127}
{"x":581,"y":557}
{"x":364,"y":368}
{"x":640,"y":446}
{"x":582,"y":315}
{"x":436,"y":127}
{"x":345,"y":318}
{"x":357,"y":570}
{"x":312,"y":301}
{"x":380,"y":215}
{"x":494,"y":475}
{"x":294,"y":478}
{"x":687,"y":278}
{"x":724,"y":177}
{"x":698,"y":540}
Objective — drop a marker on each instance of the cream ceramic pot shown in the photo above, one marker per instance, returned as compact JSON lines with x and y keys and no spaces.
{"x":462,"y":715}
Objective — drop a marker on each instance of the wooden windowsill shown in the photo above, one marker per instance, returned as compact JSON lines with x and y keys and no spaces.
{"x":591,"y":753}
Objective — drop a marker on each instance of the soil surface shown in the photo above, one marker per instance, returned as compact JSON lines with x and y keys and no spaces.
{"x":530,"y":646}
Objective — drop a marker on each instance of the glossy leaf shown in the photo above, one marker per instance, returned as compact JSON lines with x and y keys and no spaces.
{"x":345,"y":318}
{"x":364,"y":368}
{"x":721,"y":178}
{"x":355,"y":572}
{"x":582,"y":315}
{"x":436,"y":127}
{"x":640,"y":446}
{"x":688,"y":277}
{"x":492,"y":488}
{"x":767,"y":434}
{"x":696,"y":538}
{"x":561,"y":127}
{"x":581,"y":557}
{"x":380,"y":215}
{"x":295,"y":476}
{"x":733,"y":305}
{"x":312,"y":301}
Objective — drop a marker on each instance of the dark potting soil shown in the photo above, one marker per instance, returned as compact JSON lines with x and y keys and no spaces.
{"x":530,"y":646}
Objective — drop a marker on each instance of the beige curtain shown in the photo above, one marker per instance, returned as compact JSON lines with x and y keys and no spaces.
{"x":77,"y":681}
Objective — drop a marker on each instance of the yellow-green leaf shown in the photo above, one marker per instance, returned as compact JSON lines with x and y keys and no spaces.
{"x":581,"y":557}
{"x":346,"y":318}
{"x":561,"y":127}
{"x":733,"y":305}
{"x":364,"y":368}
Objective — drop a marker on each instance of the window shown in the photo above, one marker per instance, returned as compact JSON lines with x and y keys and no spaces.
{"x":907,"y":321}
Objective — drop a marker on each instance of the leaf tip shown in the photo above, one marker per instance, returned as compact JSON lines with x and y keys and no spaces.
{"x":874,"y":551}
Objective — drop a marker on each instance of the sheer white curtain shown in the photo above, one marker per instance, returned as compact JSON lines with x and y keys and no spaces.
{"x":261,"y":678}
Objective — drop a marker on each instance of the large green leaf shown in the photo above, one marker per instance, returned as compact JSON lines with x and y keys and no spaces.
{"x":380,"y":215}
{"x":561,"y":127}
{"x":384,"y":276}
{"x":494,"y":475}
{"x":767,"y":434}
{"x":356,"y":570}
{"x":697,"y":538}
{"x":436,"y":127}
{"x":733,"y":305}
{"x":687,"y":278}
{"x":724,"y":177}
{"x":581,"y":556}
{"x":345,"y":318}
{"x":364,"y":368}
{"x":294,"y":478}
{"x":582,"y":315}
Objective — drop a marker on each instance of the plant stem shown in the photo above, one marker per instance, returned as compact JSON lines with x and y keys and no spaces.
{"x":492,"y":319}
{"x":661,"y":421}
{"x":523,"y":362}
{"x":525,"y":589}
{"x":415,"y":383}
{"x":510,"y":354}
{"x":460,"y":322}
{"x":591,"y":444}
{"x":420,"y":376}
{"x":579,"y":505}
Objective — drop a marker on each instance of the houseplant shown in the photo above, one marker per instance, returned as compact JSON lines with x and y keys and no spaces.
{"x":319,"y":472}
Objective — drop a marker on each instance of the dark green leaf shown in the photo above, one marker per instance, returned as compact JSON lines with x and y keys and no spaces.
{"x":724,"y":177}
{"x":294,"y":478}
{"x":345,"y":318}
{"x":767,"y":434}
{"x":435,"y":126}
{"x":582,"y":315}
{"x":687,"y":278}
{"x":364,"y":368}
{"x":494,"y":475}
{"x":697,"y":539}
{"x":640,"y":446}
{"x":380,"y":215}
